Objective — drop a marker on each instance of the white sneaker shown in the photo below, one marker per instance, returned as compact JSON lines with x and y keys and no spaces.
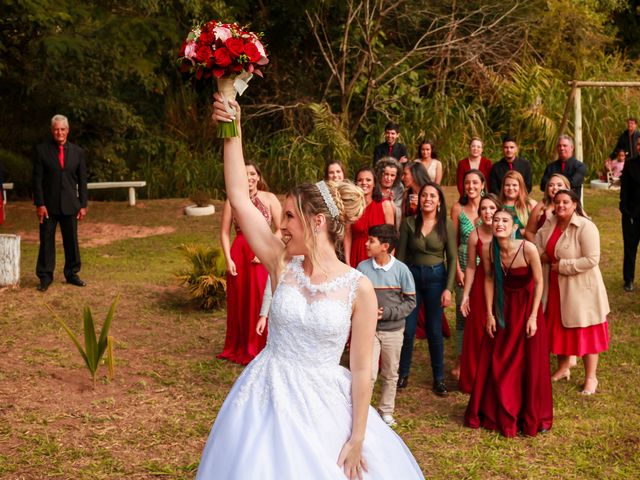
{"x":389,"y":420}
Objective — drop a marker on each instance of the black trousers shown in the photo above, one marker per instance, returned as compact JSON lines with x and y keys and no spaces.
{"x":47,"y":254}
{"x":631,"y":238}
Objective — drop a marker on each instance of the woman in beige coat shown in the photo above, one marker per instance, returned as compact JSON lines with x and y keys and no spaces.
{"x":576,"y":298}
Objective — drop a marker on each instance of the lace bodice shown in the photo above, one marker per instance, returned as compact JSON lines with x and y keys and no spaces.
{"x":309,"y":323}
{"x":308,"y":327}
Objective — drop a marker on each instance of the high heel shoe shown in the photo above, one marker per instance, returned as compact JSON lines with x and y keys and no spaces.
{"x":589,"y":391}
{"x":563,"y":375}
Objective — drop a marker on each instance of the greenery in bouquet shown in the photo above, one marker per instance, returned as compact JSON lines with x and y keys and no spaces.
{"x":228,"y":53}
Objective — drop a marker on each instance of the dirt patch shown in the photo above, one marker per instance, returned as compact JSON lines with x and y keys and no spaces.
{"x":98,"y":234}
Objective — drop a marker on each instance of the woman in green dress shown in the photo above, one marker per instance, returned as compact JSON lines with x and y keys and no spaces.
{"x":513,"y":196}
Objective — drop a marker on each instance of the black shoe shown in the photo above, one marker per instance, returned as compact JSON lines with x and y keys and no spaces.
{"x":440,"y":388}
{"x":76,"y":281}
{"x":628,"y":286}
{"x":403,"y":381}
{"x":44,"y":286}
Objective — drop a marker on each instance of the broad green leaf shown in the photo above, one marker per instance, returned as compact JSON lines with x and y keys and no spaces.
{"x":90,"y":343}
{"x":72,"y":336}
{"x":104,"y":333}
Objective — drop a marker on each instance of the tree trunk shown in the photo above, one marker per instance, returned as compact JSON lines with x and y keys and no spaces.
{"x":9,"y":260}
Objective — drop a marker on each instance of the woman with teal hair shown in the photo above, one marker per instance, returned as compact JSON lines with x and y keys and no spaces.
{"x":512,"y":390}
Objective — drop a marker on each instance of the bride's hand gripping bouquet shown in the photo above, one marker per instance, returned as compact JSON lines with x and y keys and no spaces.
{"x":227,"y":52}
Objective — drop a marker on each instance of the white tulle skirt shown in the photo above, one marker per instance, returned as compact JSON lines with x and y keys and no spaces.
{"x":283,"y":422}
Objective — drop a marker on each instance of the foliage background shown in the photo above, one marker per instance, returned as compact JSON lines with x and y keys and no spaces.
{"x":339,"y":71}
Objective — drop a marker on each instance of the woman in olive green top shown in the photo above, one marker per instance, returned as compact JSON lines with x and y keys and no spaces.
{"x":427,"y":241}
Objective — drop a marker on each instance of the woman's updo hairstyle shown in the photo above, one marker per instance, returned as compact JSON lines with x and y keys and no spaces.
{"x":309,"y":202}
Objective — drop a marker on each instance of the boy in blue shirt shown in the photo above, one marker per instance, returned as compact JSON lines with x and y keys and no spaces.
{"x":396,"y":293}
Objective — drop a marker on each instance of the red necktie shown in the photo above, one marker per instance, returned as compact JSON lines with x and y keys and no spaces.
{"x":61,"y":155}
{"x":563,"y":165}
{"x":510,"y":165}
{"x":390,"y":150}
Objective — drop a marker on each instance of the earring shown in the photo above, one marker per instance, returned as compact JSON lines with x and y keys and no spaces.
{"x":482,"y":193}
{"x":315,"y":230}
{"x":438,"y":208}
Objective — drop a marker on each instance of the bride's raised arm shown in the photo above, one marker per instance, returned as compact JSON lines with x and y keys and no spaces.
{"x":267,"y":247}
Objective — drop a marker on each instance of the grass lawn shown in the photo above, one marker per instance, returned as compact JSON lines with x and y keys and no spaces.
{"x":152,"y":419}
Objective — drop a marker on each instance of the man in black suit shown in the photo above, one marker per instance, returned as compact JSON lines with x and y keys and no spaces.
{"x":630,"y":209}
{"x":391,"y":147}
{"x":60,"y":196}
{"x":510,"y":161}
{"x":567,"y":165}
{"x":628,"y":140}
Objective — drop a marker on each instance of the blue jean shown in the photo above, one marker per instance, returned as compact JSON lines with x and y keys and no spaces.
{"x":430,"y":283}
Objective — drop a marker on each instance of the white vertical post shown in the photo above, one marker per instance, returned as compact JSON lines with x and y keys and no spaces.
{"x":9,"y":260}
{"x":577,"y":122}
{"x":132,"y":197}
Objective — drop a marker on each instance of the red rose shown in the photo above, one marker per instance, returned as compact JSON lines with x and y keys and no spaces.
{"x":235,"y":46}
{"x":182,"y":49}
{"x":236,"y":68}
{"x":203,"y":53}
{"x":207,"y":38}
{"x":222,"y":57}
{"x":251,"y":51}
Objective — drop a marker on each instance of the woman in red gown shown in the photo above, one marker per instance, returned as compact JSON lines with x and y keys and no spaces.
{"x":246,"y":276}
{"x":577,"y":303}
{"x":473,"y":304}
{"x":376,"y":212}
{"x":512,"y":390}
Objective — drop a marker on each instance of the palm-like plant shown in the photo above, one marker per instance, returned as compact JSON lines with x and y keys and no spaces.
{"x":94,"y":347}
{"x":205,"y":280}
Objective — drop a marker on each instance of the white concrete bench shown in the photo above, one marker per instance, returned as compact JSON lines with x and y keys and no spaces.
{"x":5,"y":187}
{"x":130,"y":185}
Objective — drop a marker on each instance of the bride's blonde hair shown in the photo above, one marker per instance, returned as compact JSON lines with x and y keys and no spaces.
{"x":308,"y":201}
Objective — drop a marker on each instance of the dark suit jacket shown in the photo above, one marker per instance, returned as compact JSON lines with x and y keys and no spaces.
{"x":500,"y":169}
{"x":574,"y":170}
{"x":627,"y":142}
{"x":63,"y":192}
{"x":398,"y":150}
{"x":630,"y":188}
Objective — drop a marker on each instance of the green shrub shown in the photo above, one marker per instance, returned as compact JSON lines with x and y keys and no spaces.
{"x":205,"y":280}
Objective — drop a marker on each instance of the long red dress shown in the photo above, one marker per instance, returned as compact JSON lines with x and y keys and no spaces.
{"x":473,"y":328}
{"x":244,"y":299}
{"x":373,"y":215}
{"x":569,"y":341}
{"x":512,"y":391}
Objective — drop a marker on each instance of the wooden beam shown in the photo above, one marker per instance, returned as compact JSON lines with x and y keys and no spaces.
{"x":567,"y":108}
{"x":577,"y":125}
{"x":588,"y":83}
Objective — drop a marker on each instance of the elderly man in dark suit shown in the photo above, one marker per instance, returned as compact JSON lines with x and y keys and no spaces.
{"x":60,"y":196}
{"x":567,"y":165}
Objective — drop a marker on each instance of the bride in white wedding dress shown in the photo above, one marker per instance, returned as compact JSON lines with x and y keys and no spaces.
{"x":295,"y":413}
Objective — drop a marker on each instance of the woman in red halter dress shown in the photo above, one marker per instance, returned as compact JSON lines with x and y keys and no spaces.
{"x":473,"y":303}
{"x":246,"y":276}
{"x":512,"y":390}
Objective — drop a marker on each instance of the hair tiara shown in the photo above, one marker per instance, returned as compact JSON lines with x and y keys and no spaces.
{"x":328,"y":201}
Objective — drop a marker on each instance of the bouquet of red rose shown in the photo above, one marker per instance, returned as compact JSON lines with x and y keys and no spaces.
{"x":227,"y":52}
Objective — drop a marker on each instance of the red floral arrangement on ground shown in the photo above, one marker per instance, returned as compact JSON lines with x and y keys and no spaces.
{"x":222,"y":49}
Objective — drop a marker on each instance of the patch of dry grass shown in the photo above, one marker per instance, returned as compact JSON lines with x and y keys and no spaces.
{"x":152,"y":420}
